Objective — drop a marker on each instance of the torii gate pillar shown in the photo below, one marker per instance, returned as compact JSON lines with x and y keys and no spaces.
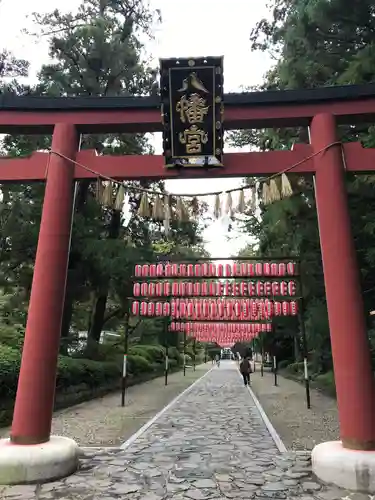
{"x":31,"y":454}
{"x":349,"y":463}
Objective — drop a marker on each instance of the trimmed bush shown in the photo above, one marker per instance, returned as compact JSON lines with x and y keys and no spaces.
{"x":138,"y":364}
{"x":80,"y":379}
{"x":153,"y":353}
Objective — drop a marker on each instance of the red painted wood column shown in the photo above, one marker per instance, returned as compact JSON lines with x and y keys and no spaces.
{"x":350,"y":348}
{"x":36,"y":385}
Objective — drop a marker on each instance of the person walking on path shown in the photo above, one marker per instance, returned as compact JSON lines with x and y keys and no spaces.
{"x":245,"y":369}
{"x":218,"y":360}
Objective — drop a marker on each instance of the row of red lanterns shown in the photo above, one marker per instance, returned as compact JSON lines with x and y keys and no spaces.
{"x":220,"y":328}
{"x":219,"y":339}
{"x":215,"y":288}
{"x":245,"y":309}
{"x":215,"y":270}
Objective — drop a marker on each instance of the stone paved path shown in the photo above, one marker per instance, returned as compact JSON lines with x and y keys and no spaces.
{"x":212,"y":444}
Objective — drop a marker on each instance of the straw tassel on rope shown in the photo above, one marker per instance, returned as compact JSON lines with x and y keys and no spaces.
{"x":158,"y":209}
{"x":120,"y":197}
{"x":195,"y":206}
{"x":181,"y":210}
{"x":241,"y":207}
{"x":144,"y":206}
{"x":253,"y":197}
{"x":99,"y":191}
{"x":217,"y":207}
{"x":167,"y":215}
{"x":286,"y":188}
{"x":108,"y":195}
{"x":229,"y":205}
{"x":274,"y":191}
{"x":266,"y":194}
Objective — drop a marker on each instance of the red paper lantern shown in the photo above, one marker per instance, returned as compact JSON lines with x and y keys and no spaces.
{"x":182,"y":289}
{"x":277,"y":309}
{"x":174,"y":289}
{"x":291,"y":268}
{"x":174,"y":270}
{"x":182,"y":270}
{"x":190,"y":309}
{"x":143,"y":308}
{"x":259,"y":288}
{"x":145,"y":270}
{"x":135,"y":308}
{"x":293,"y":308}
{"x":274,"y":269}
{"x":166,"y":309}
{"x":269,"y":327}
{"x":205,"y":269}
{"x":204,"y":288}
{"x":183,"y":309}
{"x":283,"y":288}
{"x":136,"y":289}
{"x":174,"y":312}
{"x":228,"y":270}
{"x":190,"y":270}
{"x":151,"y":289}
{"x":159,"y":270}
{"x":259,"y":269}
{"x":153,"y":270}
{"x":197,"y":289}
{"x":220,"y":270}
{"x":269,"y":309}
{"x":166,"y":289}
{"x":237,"y":309}
{"x":292,"y":288}
{"x":151,"y":309}
{"x":168,"y":270}
{"x":158,"y":289}
{"x":172,"y":326}
{"x":159,"y":309}
{"x":285,"y":308}
{"x":212,"y":270}
{"x":144,"y":289}
{"x":205,"y":309}
{"x":197,"y":270}
{"x":138,"y":270}
{"x":282,"y":269}
{"x":266,"y":269}
{"x":189,"y":289}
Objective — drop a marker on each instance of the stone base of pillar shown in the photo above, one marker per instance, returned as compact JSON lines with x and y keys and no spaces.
{"x":350,"y":469}
{"x":21,"y":464}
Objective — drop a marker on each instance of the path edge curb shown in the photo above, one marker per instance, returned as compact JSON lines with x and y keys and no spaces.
{"x":271,"y":429}
{"x":156,"y":417}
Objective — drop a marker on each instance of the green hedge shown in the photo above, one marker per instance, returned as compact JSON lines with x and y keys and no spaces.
{"x":82,"y":379}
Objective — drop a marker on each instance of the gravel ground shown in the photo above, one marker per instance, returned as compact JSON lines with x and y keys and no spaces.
{"x":103,"y":422}
{"x":285,"y":406}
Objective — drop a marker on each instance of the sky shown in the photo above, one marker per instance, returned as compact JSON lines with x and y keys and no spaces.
{"x":211,"y":28}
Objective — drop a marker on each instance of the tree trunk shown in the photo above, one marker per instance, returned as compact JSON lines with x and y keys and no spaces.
{"x":100,"y":303}
{"x":71,"y":280}
{"x":97,"y":318}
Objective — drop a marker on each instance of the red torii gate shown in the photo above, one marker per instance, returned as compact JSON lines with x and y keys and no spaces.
{"x":328,"y":160}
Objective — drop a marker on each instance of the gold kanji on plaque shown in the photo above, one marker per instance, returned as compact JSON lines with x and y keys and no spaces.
{"x":192,"y":109}
{"x":193,"y":138}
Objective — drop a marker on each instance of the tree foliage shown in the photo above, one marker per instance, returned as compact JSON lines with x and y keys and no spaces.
{"x":97,"y":51}
{"x":314,"y":43}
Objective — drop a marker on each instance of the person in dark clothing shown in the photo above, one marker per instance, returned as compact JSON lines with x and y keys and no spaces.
{"x":245,"y":369}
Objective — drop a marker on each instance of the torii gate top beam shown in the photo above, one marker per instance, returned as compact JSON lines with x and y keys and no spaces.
{"x":35,"y":115}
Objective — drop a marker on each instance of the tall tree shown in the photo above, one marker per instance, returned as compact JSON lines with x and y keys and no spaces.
{"x":315,"y":43}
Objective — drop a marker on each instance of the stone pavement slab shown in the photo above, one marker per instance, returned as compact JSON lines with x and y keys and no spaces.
{"x":212,"y":444}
